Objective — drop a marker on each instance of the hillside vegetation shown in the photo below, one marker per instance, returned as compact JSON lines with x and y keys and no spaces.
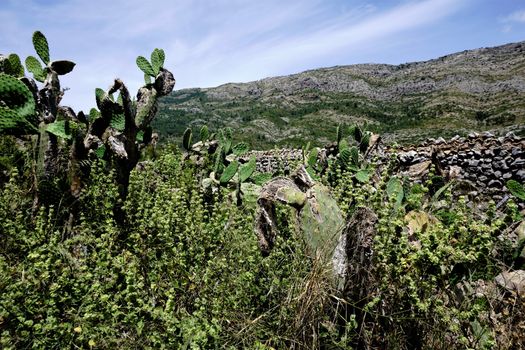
{"x":481,"y":89}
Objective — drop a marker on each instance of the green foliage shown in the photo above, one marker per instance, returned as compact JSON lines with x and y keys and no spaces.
{"x":517,"y":189}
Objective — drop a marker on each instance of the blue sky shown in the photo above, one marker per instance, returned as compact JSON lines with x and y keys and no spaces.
{"x":208,"y":43}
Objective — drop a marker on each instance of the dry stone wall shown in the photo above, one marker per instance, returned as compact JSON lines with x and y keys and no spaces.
{"x":482,"y":163}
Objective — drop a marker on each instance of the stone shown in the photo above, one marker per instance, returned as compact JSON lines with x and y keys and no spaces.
{"x":513,"y":281}
{"x":417,"y":170}
{"x":495,"y":184}
{"x":440,"y":141}
{"x":518,"y":163}
{"x":454,"y":172}
{"x":473,"y":163}
{"x":515,"y":152}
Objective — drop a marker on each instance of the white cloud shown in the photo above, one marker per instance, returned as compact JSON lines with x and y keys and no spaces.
{"x":518,"y":16}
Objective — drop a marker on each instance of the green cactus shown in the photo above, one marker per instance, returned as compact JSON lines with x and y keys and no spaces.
{"x":357,"y":133}
{"x":17,"y":106}
{"x":34,"y":66}
{"x":312,"y":158}
{"x":240,"y":149}
{"x":147,"y":79}
{"x":247,"y":170}
{"x":94,"y":114}
{"x":145,"y":66}
{"x":339,"y":134}
{"x":157,"y":60}
{"x":118,"y":122}
{"x":261,"y":178}
{"x":320,"y":220}
{"x":41,"y":46}
{"x":363,"y":175}
{"x":204,"y":133}
{"x":225,"y":139}
{"x":100,"y":151}
{"x":62,"y":128}
{"x":365,"y":142}
{"x":229,"y":172}
{"x":11,"y":65}
{"x":354,"y":156}
{"x":186,"y":139}
{"x":395,"y":191}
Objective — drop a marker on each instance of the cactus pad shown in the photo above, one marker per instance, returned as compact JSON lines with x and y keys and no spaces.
{"x":17,"y":105}
{"x":118,"y":122}
{"x":62,"y":67}
{"x":157,"y":60}
{"x":240,"y":148}
{"x":363,"y":175}
{"x":145,"y":66}
{"x":186,"y":139}
{"x":246,"y":170}
{"x":41,"y":46}
{"x":33,"y":65}
{"x":394,"y":190}
{"x":204,"y":133}
{"x":229,"y":172}
{"x":62,"y":128}
{"x":15,"y":66}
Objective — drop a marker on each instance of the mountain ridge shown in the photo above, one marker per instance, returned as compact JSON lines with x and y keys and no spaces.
{"x":472,"y":90}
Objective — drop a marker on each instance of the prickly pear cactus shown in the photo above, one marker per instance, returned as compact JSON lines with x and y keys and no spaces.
{"x":17,"y":106}
{"x":320,"y":219}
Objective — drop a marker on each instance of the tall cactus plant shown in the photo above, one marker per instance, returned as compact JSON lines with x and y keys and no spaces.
{"x":116,"y":131}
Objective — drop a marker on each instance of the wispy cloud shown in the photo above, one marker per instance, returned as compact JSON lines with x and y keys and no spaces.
{"x":209,"y":42}
{"x":517,"y":16}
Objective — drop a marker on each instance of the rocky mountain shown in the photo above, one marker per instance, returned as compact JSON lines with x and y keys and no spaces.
{"x":476,"y":90}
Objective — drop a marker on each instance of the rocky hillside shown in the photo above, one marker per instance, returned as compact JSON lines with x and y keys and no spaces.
{"x":475,"y":90}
